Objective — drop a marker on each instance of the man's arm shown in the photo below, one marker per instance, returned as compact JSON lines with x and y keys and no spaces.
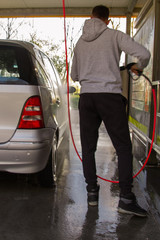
{"x":131,"y":47}
{"x":74,"y":71}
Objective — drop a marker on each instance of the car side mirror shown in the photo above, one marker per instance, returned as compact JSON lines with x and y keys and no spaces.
{"x":72,"y":89}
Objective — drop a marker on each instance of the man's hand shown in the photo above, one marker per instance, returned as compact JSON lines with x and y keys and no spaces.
{"x":136,"y":70}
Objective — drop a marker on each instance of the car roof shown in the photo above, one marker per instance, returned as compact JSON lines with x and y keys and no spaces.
{"x":24,"y":44}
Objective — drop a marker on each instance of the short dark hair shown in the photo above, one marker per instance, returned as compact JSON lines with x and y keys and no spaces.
{"x":101,"y":12}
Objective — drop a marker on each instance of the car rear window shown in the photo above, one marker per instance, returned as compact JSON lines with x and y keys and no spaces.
{"x":15,"y":66}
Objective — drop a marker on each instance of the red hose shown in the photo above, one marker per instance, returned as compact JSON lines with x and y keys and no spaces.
{"x":69,"y":116}
{"x":68,"y":103}
{"x":153,"y":134}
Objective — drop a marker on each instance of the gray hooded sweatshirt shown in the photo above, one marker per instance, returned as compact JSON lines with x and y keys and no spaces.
{"x":97,"y":55}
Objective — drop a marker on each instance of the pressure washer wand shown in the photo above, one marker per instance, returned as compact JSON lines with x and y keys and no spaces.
{"x":140,"y":73}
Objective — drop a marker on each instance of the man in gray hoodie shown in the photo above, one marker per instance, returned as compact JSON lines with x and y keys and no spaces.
{"x":96,"y":66}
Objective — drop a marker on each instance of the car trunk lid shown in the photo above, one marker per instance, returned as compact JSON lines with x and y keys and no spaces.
{"x":12,"y":100}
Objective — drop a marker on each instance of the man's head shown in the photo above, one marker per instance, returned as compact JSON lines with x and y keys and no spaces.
{"x":101,"y":12}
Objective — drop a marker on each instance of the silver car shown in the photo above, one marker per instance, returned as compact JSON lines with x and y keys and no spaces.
{"x":33,"y":112}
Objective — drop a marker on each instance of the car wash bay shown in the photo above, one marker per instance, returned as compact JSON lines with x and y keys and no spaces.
{"x":29,"y":211}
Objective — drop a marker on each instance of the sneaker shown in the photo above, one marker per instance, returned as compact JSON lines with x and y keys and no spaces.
{"x":93,"y":195}
{"x":128,"y":204}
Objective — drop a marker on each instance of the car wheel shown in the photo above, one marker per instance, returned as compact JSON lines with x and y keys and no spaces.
{"x":48,"y":175}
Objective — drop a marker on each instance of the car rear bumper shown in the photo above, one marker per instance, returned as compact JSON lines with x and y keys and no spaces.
{"x":29,"y":155}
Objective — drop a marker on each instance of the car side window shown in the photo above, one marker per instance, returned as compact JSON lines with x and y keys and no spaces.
{"x":43,"y":77}
{"x":57,"y":75}
{"x":47,"y":73}
{"x":50,"y":70}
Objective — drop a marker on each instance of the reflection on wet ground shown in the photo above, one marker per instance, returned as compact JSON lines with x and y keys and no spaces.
{"x":30,"y":212}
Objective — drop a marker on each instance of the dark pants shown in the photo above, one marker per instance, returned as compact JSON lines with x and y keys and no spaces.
{"x":111,"y":109}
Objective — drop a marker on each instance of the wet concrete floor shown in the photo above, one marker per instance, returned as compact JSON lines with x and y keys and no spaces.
{"x":30,"y":212}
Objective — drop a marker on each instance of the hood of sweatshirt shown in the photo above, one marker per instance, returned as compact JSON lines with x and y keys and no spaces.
{"x":92,"y":29}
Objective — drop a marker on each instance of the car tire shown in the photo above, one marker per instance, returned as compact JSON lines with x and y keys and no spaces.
{"x":48,"y":176}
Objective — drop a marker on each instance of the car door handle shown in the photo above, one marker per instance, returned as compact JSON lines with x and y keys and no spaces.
{"x":58,"y":101}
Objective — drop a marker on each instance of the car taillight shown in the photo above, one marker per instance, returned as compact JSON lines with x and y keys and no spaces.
{"x":32,"y":116}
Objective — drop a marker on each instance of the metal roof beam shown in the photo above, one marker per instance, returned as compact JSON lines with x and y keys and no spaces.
{"x":131,"y":6}
{"x":58,"y":12}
